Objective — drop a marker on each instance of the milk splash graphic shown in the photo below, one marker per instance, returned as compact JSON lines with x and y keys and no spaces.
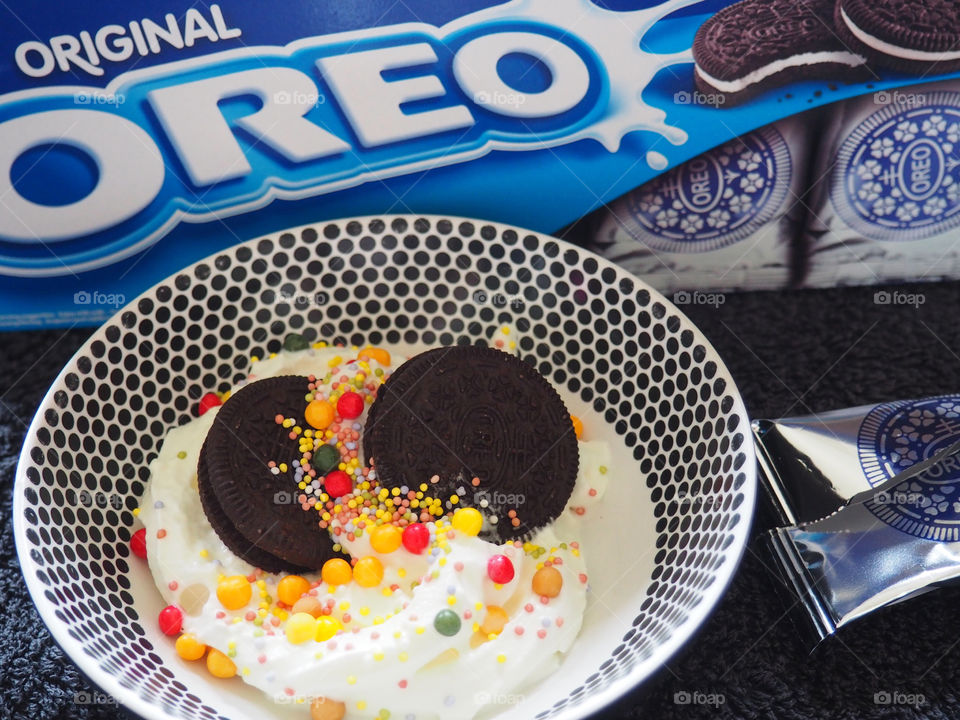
{"x":615,"y":37}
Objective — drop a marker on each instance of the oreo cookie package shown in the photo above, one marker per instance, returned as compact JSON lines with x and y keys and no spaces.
{"x":887,"y":202}
{"x":871,"y":497}
{"x":725,"y":220}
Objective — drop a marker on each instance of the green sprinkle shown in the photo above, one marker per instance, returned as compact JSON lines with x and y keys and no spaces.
{"x":294,"y":342}
{"x":603,"y":469}
{"x":182,"y":454}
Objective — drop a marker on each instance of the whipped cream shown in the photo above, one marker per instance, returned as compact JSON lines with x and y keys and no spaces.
{"x":389,"y":655}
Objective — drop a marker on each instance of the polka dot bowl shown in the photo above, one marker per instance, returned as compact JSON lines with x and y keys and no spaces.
{"x":660,"y":549}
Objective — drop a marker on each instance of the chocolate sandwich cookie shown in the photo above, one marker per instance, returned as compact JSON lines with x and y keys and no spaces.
{"x":246,"y":503}
{"x":480,"y":424}
{"x":756,"y":45}
{"x":915,"y":36}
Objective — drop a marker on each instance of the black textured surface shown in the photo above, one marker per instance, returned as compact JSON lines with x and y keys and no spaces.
{"x":790,"y":352}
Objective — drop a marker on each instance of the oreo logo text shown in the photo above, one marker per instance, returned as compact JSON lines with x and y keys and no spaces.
{"x":231,"y":132}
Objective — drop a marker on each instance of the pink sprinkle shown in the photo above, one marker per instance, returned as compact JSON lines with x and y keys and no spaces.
{"x":161,"y":534}
{"x":575,"y":545}
{"x":541,"y":633}
{"x":559,"y":622}
{"x":451,"y":534}
{"x":467,"y":614}
{"x":250,"y":616}
{"x":374,"y":635}
{"x":402,"y":684}
{"x":331,"y":644}
{"x":279,"y":421}
{"x":544,"y":600}
{"x":583,"y":578}
{"x":261,"y":659}
{"x":458,"y":566}
{"x":275,"y":621}
{"x":346,"y":617}
{"x":288,"y":691}
{"x":413,"y":618}
{"x":221,"y":614}
{"x":592,"y":492}
{"x":252,"y":577}
{"x":292,"y":435}
{"x":173,"y":585}
{"x":558,"y":561}
{"x":579,"y":510}
{"x":528,"y":607}
{"x":518,"y":630}
{"x":348,"y":646}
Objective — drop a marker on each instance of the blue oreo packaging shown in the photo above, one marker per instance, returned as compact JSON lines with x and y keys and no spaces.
{"x":887,"y":204}
{"x":137,"y":138}
{"x":870,"y":497}
{"x":725,"y":220}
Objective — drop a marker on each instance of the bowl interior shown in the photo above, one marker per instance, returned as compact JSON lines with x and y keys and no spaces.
{"x":660,"y":549}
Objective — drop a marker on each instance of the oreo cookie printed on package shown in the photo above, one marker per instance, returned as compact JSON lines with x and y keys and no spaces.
{"x":718,"y":221}
{"x":898,"y":172}
{"x":715,"y":199}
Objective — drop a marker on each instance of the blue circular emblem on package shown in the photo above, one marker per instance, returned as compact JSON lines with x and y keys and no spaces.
{"x":715,"y":199}
{"x":898,"y":174}
{"x":897,"y":435}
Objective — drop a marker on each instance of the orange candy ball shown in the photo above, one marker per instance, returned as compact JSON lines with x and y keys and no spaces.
{"x":547,"y":582}
{"x":577,"y":426}
{"x":374,"y":353}
{"x":189,"y":648}
{"x":494,"y":621}
{"x":291,"y":587}
{"x":220,"y":665}
{"x":319,"y":414}
{"x":368,"y":572}
{"x":336,"y":571}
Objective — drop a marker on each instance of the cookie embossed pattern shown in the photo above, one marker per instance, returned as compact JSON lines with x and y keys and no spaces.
{"x":898,"y":435}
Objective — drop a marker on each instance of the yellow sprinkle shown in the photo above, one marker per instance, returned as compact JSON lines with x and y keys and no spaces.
{"x":478,"y":606}
{"x":505,"y":330}
{"x":254,"y":358}
{"x":398,"y":634}
{"x":364,"y":611}
{"x":204,"y":554}
{"x":452,"y":600}
{"x":378,"y":656}
{"x":442,"y":561}
{"x":420,"y":629}
{"x":237,"y":619}
{"x":351,"y":680}
{"x":334,"y":361}
{"x":361,"y":705}
{"x":402,"y":572}
{"x":344,"y":605}
{"x":378,"y":620}
{"x":402,"y":657}
{"x":387,"y":592}
{"x":501,"y":658}
{"x":136,"y":511}
{"x":476,"y":627}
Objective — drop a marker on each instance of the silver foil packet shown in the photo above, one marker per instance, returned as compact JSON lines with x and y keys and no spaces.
{"x":873,"y":497}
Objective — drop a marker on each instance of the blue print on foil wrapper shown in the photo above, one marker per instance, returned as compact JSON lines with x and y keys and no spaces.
{"x":894,"y":437}
{"x":898,"y":174}
{"x":716,"y":199}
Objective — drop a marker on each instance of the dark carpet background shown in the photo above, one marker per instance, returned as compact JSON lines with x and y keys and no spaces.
{"x":790,"y":352}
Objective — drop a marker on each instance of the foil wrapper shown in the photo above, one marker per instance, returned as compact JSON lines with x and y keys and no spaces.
{"x":872,"y":495}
